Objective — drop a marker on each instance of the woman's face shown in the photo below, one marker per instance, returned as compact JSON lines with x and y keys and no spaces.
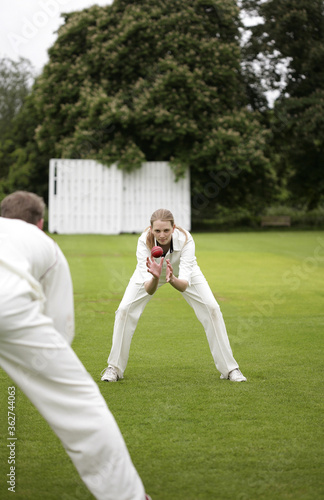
{"x":162,"y":231}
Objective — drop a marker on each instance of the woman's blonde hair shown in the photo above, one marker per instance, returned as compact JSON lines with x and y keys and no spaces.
{"x":164,"y":215}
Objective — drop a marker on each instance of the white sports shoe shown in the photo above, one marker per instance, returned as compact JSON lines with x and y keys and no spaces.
{"x":109,"y":374}
{"x":235,"y":376}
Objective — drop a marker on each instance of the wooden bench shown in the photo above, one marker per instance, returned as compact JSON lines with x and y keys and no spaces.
{"x":275,"y":220}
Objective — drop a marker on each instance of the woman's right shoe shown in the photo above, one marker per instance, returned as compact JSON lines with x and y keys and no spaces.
{"x":109,"y":374}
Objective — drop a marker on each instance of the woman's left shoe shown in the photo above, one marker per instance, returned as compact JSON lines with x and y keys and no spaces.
{"x":235,"y":376}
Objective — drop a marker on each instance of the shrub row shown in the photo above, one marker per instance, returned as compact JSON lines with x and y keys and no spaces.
{"x":243,"y":219}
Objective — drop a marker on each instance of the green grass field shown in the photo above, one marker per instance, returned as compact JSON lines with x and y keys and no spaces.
{"x":191,"y":435}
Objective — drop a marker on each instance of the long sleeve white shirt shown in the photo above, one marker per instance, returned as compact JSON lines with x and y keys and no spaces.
{"x":182,"y":259}
{"x":32,"y":255}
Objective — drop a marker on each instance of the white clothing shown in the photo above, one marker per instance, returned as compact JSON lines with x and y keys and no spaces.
{"x":198,"y":295}
{"x":41,"y":263}
{"x":36,"y":327}
{"x":182,"y":259}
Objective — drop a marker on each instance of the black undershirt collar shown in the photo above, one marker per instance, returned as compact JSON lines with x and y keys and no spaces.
{"x":170,"y":249}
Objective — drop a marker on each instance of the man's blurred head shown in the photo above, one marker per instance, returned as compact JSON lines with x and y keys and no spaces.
{"x":25,"y":206}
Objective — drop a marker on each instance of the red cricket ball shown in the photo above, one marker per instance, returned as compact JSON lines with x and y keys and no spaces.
{"x":156,"y":252}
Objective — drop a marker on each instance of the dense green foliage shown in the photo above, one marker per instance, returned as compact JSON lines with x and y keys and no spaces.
{"x":15,"y":81}
{"x":140,"y":80}
{"x":145,"y":81}
{"x":293,"y":31}
{"x":191,"y":435}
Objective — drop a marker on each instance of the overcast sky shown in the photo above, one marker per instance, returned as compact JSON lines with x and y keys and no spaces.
{"x":27,"y":27}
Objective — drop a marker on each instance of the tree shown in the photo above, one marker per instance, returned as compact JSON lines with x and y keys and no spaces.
{"x":28,"y":165}
{"x":293,"y":31}
{"x":15,"y":83}
{"x":141,"y":80}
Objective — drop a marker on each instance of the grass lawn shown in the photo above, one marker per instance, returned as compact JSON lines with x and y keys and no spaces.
{"x":191,"y":435}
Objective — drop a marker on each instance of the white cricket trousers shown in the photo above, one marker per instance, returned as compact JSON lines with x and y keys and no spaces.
{"x":42,"y":363}
{"x":199,"y":296}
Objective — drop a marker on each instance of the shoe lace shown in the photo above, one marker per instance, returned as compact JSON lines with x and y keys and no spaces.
{"x":109,"y":369}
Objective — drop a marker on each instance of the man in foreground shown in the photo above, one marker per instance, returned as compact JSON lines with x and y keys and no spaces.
{"x":36,"y":330}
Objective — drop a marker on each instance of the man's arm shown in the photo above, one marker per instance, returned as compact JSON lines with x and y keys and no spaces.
{"x":58,"y":290}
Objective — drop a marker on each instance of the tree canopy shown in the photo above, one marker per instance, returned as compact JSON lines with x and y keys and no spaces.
{"x":141,"y":80}
{"x":293,"y":31}
{"x":16,"y":78}
{"x":15,"y":82}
